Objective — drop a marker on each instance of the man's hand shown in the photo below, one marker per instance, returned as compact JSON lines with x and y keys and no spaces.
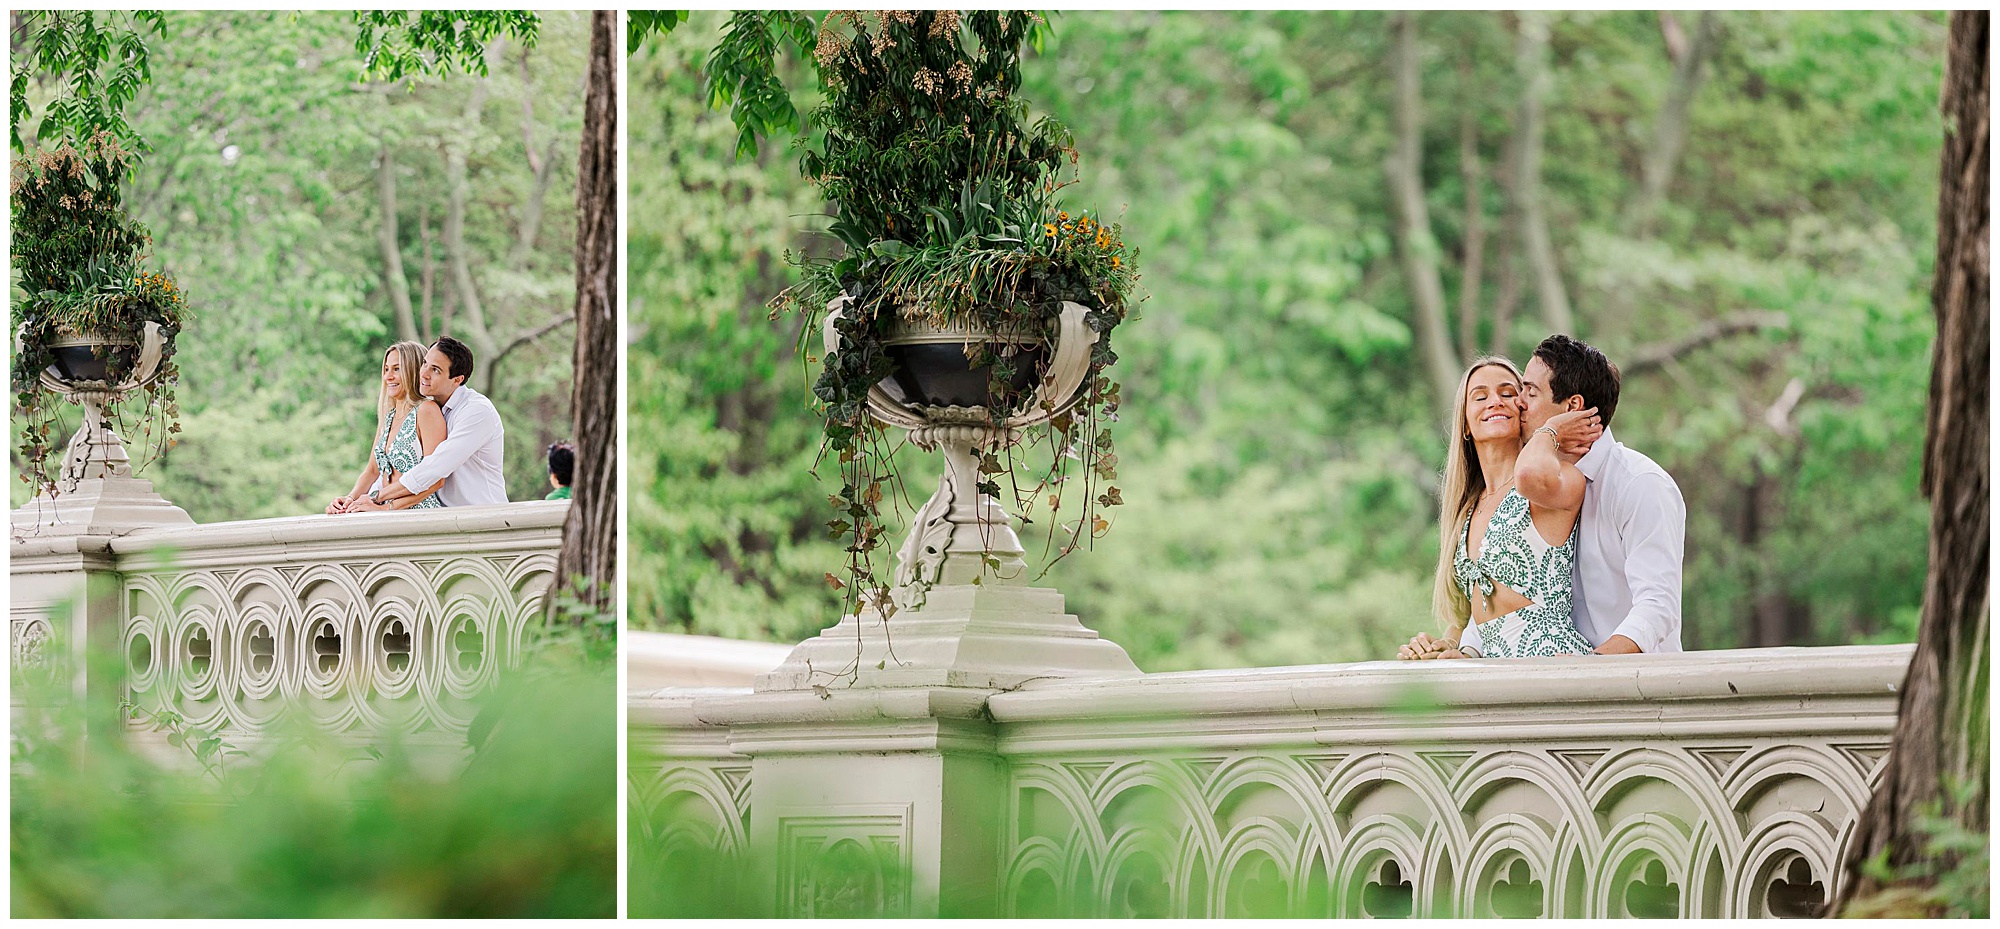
{"x":339,"y":505}
{"x":1618,"y":645}
{"x":365,"y":505}
{"x":1576,"y":431}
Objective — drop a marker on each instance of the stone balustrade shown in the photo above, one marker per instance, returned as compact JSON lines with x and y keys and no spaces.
{"x":366,"y":622}
{"x":1712,"y":784}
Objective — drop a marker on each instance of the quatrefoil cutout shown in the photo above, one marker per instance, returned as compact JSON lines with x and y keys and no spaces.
{"x":326,"y":649}
{"x":1795,"y":895}
{"x":263,"y":651}
{"x":1388,"y":896}
{"x":1519,"y":896}
{"x":1653,"y":896}
{"x":396,"y":647}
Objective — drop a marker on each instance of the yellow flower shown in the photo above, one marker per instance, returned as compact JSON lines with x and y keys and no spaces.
{"x":1064,"y":216}
{"x":1051,"y":227}
{"x":1114,"y":261}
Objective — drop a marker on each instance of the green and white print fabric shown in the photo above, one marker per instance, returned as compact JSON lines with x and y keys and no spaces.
{"x":398,"y":450}
{"x":1514,"y":554}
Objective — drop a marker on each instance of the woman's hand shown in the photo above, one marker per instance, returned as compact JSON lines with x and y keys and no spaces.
{"x":365,"y":505}
{"x":1576,"y":431}
{"x":339,"y":505}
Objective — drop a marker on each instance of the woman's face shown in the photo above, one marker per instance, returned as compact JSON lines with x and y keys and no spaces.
{"x":392,"y":373}
{"x":1493,"y":404}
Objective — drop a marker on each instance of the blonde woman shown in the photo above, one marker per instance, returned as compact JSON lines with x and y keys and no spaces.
{"x":408,"y":428}
{"x":1502,"y":503}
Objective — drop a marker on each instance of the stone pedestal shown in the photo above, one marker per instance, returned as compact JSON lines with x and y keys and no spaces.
{"x":981,"y":636}
{"x":64,"y":623}
{"x":97,"y":506}
{"x":873,"y":762}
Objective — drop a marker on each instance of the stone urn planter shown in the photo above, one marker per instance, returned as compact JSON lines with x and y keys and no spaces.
{"x":98,"y":492}
{"x":947,"y":402}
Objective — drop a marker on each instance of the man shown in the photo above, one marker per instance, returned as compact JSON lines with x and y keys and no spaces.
{"x":468,"y":460}
{"x":1632,"y":530}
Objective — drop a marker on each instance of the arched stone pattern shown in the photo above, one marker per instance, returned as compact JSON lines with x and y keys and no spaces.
{"x":357,"y":646}
{"x":691,"y":819}
{"x":1646,"y":828}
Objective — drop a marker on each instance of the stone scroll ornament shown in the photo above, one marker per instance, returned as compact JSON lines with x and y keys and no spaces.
{"x":959,"y":532}
{"x":96,"y":450}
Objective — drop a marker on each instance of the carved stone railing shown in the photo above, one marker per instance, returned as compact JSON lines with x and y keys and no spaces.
{"x":1715,"y":784}
{"x":365,"y":623}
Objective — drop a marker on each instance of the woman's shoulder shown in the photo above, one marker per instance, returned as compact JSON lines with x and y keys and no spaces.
{"x":428,"y":411}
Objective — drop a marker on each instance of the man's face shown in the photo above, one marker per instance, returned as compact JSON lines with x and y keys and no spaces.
{"x":435,"y":379}
{"x":1536,"y":403}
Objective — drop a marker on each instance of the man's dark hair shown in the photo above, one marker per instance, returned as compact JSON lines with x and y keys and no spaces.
{"x":459,"y":356}
{"x":1576,"y":368}
{"x":562,"y":462}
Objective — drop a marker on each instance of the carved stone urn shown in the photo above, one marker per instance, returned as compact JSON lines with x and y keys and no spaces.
{"x":947,"y":401}
{"x":963,"y":614}
{"x":96,"y":493}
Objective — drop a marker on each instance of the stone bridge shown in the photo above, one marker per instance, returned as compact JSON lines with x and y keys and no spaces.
{"x":366,"y":623}
{"x":962,"y":782}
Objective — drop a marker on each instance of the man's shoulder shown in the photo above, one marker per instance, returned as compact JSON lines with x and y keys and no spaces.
{"x":1635,"y":468}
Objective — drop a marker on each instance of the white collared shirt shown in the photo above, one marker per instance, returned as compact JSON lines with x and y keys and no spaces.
{"x":1629,"y":551}
{"x":469,"y":458}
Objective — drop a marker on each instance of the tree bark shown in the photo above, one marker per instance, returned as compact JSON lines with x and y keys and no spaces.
{"x":1414,"y":240}
{"x":588,"y":565}
{"x":1670,"y":130}
{"x":457,"y":261}
{"x":387,"y":238}
{"x":541,"y":166}
{"x":1940,"y":747}
{"x":489,"y":348}
{"x":1531,"y":52}
{"x":1474,"y":266}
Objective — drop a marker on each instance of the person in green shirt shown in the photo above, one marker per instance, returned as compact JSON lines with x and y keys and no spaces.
{"x":562,"y":466}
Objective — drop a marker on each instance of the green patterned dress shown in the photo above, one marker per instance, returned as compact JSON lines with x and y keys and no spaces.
{"x":398,"y":450}
{"x":1514,"y":554}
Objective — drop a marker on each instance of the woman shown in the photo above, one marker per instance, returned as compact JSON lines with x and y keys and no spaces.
{"x":1503,"y":500}
{"x":408,"y":427}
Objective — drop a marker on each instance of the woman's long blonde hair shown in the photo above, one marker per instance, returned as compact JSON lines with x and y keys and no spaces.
{"x":1458,"y":493}
{"x":412,"y":356}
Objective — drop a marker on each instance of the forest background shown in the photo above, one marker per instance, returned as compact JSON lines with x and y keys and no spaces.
{"x":313,"y":218}
{"x":1334,"y":210}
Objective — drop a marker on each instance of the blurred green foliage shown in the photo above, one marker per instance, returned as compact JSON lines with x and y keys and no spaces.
{"x":307,"y":825}
{"x":261,"y":193}
{"x":1278,"y":443}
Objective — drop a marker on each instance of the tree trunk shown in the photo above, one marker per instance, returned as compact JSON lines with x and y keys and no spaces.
{"x":1939,"y":757}
{"x":541,"y":166}
{"x":1414,"y":240}
{"x":457,"y":260}
{"x":588,"y":565}
{"x":1531,"y":52}
{"x":1474,"y":267}
{"x":1671,"y":128}
{"x":387,"y":238}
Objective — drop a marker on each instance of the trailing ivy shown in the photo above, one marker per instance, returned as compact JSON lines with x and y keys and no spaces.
{"x":949,"y":210}
{"x":80,"y":260}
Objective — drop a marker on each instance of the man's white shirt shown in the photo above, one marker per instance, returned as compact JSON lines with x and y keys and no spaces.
{"x":1629,"y":551}
{"x":469,"y":458}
